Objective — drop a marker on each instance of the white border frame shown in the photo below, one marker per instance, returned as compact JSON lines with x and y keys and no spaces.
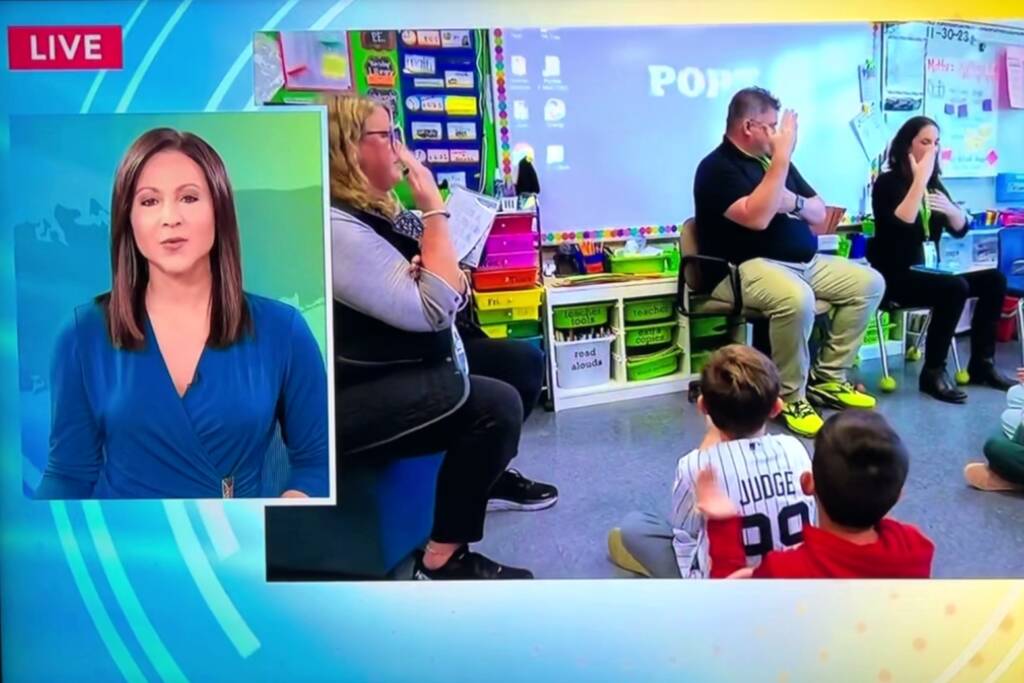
{"x":332,"y":455}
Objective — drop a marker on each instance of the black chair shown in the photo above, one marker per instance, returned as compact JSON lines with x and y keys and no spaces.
{"x":699,"y":275}
{"x":913,"y":352}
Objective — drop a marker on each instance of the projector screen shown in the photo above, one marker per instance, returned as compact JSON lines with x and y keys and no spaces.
{"x":618,"y":118}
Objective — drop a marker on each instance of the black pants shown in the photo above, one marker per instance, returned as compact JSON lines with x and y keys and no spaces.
{"x":479,"y":439}
{"x":945,"y":295}
{"x":514,"y":362}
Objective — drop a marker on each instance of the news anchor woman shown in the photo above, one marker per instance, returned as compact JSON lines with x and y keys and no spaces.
{"x":406,"y":385}
{"x":173,"y":384}
{"x":912,"y":209}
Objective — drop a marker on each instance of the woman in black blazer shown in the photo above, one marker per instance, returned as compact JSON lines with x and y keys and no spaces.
{"x":912,"y":208}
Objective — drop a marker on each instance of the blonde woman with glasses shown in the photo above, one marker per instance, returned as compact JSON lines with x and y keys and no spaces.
{"x":404,"y":385}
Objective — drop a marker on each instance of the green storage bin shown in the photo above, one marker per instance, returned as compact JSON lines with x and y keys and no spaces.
{"x":708,"y":327}
{"x":518,"y":329}
{"x":590,"y":315}
{"x":645,"y":310}
{"x":871,"y":334}
{"x":710,"y":343}
{"x":521,"y":329}
{"x":495,"y":316}
{"x":495,"y":331}
{"x":653,"y":365}
{"x":698,"y":361}
{"x":843,"y":248}
{"x":648,"y":335}
{"x":634,"y":264}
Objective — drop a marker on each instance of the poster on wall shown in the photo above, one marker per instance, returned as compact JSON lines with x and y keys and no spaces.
{"x":904,"y":73}
{"x":292,"y":66}
{"x":316,"y":60}
{"x":961,"y":94}
{"x":903,"y":80}
{"x":1015,"y":76}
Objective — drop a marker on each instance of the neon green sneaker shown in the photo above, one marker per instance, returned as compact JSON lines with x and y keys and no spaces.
{"x":840,"y":395}
{"x":802,"y":419}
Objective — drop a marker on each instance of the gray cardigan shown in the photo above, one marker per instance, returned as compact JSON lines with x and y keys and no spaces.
{"x":373,"y":277}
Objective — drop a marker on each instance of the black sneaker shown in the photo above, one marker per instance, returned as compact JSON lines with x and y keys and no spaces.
{"x":465,"y":565}
{"x":513,"y":491}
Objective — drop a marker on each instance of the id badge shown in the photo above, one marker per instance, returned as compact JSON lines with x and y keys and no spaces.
{"x":931,"y":255}
{"x":460,"y":351}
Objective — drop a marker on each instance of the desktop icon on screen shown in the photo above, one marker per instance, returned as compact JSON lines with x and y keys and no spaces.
{"x":520,"y":111}
{"x":552,"y":67}
{"x":554,"y":109}
{"x":556,"y":154}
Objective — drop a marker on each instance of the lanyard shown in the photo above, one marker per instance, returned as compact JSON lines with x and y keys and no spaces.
{"x":764,"y":161}
{"x":926,"y":218}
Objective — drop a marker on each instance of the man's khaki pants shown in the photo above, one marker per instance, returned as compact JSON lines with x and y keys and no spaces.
{"x":785,"y":294}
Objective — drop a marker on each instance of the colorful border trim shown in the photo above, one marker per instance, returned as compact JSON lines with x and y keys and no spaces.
{"x":551,"y":239}
{"x":497,"y":41}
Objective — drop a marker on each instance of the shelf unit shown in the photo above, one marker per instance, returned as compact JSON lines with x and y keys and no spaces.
{"x":617,"y":388}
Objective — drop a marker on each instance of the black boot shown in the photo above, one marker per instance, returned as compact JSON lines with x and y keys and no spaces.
{"x":986,"y":374}
{"x":935,"y":382}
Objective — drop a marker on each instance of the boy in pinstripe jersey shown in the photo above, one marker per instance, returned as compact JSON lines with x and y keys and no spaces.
{"x":759,"y":472}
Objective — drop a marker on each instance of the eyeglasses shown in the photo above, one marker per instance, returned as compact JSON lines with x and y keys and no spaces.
{"x":393,"y":135}
{"x":765,"y":124}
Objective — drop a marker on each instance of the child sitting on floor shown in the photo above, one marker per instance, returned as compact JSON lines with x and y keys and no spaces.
{"x":859,"y":469}
{"x":740,"y":393}
{"x":1005,"y":453}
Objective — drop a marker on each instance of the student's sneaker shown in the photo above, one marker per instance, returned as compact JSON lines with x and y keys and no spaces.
{"x":465,"y":565}
{"x":839,"y":395}
{"x":621,"y":556}
{"x":801,"y":418}
{"x":980,"y":476}
{"x":513,"y":491}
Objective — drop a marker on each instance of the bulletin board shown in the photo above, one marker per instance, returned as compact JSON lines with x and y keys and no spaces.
{"x":375,"y":63}
{"x":436,"y":83}
{"x":956,"y":73}
{"x":444,"y":94}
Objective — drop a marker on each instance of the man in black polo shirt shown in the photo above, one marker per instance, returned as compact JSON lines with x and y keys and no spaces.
{"x":754,"y":209}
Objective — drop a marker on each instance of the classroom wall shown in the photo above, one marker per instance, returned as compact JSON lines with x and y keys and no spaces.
{"x":619,"y":117}
{"x":979,"y":193}
{"x":627,"y":113}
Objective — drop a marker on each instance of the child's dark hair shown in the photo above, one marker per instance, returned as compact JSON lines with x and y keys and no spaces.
{"x":740,"y":386}
{"x":859,"y":466}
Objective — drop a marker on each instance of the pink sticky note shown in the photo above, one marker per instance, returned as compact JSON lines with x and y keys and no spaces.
{"x":992,"y":158}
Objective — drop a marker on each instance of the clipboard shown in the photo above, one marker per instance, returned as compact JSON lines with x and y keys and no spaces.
{"x":471,"y":216}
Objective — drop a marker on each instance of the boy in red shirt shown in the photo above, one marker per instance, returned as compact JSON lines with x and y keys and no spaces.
{"x":857,"y":473}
